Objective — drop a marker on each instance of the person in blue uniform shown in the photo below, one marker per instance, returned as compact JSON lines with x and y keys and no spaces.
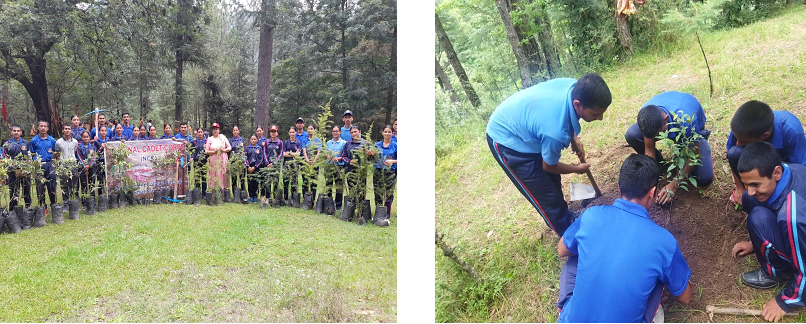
{"x":273,"y":150}
{"x":166,"y":131}
{"x":75,"y":121}
{"x":259,"y":134}
{"x":254,"y":162}
{"x":776,"y":222}
{"x":348,"y":125}
{"x":333,"y":178}
{"x":127,"y":127}
{"x":12,"y":148}
{"x":394,"y":134}
{"x":385,"y":174}
{"x":237,"y":141}
{"x":353,"y":162}
{"x":119,"y":135}
{"x":528,"y":131}
{"x":199,"y":157}
{"x":755,"y":121}
{"x":311,"y":148}
{"x":183,"y":133}
{"x":43,"y":145}
{"x":152,"y":132}
{"x":291,"y":148}
{"x":136,"y":134}
{"x":86,"y":158}
{"x":655,"y":117}
{"x":302,"y":135}
{"x":94,"y":131}
{"x":99,"y":170}
{"x":619,"y":260}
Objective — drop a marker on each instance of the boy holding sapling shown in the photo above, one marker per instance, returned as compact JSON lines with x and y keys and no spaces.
{"x":656,"y":117}
{"x":66,"y":148}
{"x":754,"y":121}
{"x":776,"y":221}
{"x":42,"y":145}
{"x":16,"y":180}
{"x":528,"y":131}
{"x":335,"y":165}
{"x":254,"y":162}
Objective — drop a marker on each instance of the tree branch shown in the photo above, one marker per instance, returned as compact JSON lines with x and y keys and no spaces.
{"x":448,"y":252}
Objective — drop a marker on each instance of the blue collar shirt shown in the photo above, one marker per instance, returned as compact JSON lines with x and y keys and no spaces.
{"x":787,"y":137}
{"x":622,"y":254}
{"x":43,"y":147}
{"x":539,"y":119}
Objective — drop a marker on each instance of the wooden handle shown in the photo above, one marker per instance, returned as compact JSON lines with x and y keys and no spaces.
{"x":711,"y":309}
{"x":588,"y":172}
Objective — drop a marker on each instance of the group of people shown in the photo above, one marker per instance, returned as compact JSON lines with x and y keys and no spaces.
{"x":618,"y":259}
{"x":87,"y":149}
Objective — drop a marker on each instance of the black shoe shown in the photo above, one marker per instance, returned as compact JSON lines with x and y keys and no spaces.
{"x":760,"y":280}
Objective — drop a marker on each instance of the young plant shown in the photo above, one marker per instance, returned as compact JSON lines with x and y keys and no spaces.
{"x":66,"y":169}
{"x":237,"y":165}
{"x":683,"y":147}
{"x":362,"y":162}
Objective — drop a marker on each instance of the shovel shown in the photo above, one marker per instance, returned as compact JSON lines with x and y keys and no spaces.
{"x":581,"y":191}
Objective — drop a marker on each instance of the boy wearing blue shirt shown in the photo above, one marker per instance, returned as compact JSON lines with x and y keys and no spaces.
{"x":754,"y":121}
{"x":127,"y":128}
{"x":12,"y":148}
{"x":335,"y":146}
{"x":619,"y":260}
{"x":42,"y":145}
{"x":302,"y":135}
{"x":654,"y":117}
{"x":528,"y":131}
{"x":776,"y":222}
{"x":348,"y":125}
{"x":183,"y":133}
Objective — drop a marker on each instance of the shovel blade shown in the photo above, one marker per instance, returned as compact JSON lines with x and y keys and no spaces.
{"x":581,"y":191}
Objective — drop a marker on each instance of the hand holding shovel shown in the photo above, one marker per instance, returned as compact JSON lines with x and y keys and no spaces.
{"x":582,"y":191}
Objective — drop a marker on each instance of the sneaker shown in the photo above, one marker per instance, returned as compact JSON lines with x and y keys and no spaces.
{"x":760,"y":280}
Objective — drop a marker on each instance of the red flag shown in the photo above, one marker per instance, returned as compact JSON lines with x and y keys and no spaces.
{"x":5,"y":115}
{"x":76,"y":109}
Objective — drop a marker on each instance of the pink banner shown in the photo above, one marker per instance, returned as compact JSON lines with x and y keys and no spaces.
{"x":144,"y":158}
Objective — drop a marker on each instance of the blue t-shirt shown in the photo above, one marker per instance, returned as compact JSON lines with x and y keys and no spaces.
{"x":43,"y":148}
{"x":303,"y":138}
{"x":345,"y":133}
{"x":335,"y":148}
{"x":76,"y":133}
{"x":128,"y":131}
{"x":623,"y":255}
{"x":681,"y":103}
{"x":389,"y":152}
{"x":540,"y":119}
{"x":187,"y":137}
{"x":787,"y":137}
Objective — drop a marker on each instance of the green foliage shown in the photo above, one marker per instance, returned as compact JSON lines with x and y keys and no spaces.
{"x":683,"y":150}
{"x":737,"y":13}
{"x":698,"y":16}
{"x":237,"y":164}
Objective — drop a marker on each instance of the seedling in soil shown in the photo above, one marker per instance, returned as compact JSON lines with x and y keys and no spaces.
{"x":684,"y":153}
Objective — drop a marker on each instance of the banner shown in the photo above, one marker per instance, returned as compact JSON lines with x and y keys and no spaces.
{"x":148,"y":166}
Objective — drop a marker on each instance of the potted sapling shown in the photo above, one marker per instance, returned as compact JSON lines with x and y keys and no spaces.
{"x":24,"y":168}
{"x":5,"y":201}
{"x":324,"y":123}
{"x":237,"y":167}
{"x":64,"y":171}
{"x":381,"y":217}
{"x":118,"y":154}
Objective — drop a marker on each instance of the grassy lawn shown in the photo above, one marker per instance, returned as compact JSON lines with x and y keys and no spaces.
{"x":495,"y":229}
{"x":230,"y":263}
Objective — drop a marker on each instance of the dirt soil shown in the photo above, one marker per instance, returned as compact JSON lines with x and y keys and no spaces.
{"x":706,"y":229}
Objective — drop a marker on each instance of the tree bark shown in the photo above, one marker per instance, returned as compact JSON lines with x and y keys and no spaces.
{"x":178,"y":89}
{"x":445,"y":42}
{"x":262,"y":109}
{"x":444,"y":81}
{"x":548,"y":45}
{"x":392,"y":88}
{"x":504,"y":7}
{"x":625,"y":38}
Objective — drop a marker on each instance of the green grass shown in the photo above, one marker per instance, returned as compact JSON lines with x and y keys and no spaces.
{"x":169,"y":263}
{"x":496,"y":230}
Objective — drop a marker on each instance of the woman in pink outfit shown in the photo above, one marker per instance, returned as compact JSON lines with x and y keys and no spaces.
{"x":217,"y":147}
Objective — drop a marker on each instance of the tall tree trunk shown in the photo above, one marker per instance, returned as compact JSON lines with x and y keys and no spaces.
{"x":445,"y":42}
{"x":625,"y":38}
{"x":392,"y":88}
{"x":523,"y":65}
{"x":262,"y":109}
{"x":180,"y":92}
{"x":444,"y":81}
{"x":548,"y":45}
{"x":37,"y":88}
{"x":343,"y":49}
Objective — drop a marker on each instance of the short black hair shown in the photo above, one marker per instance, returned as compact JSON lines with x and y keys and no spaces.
{"x":753,"y":118}
{"x":66,"y":126}
{"x":42,"y":121}
{"x":183,"y":124}
{"x":638,"y":175}
{"x":650,"y":120}
{"x":124,"y":114}
{"x":13,"y":126}
{"x":760,"y":156}
{"x":592,"y":91}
